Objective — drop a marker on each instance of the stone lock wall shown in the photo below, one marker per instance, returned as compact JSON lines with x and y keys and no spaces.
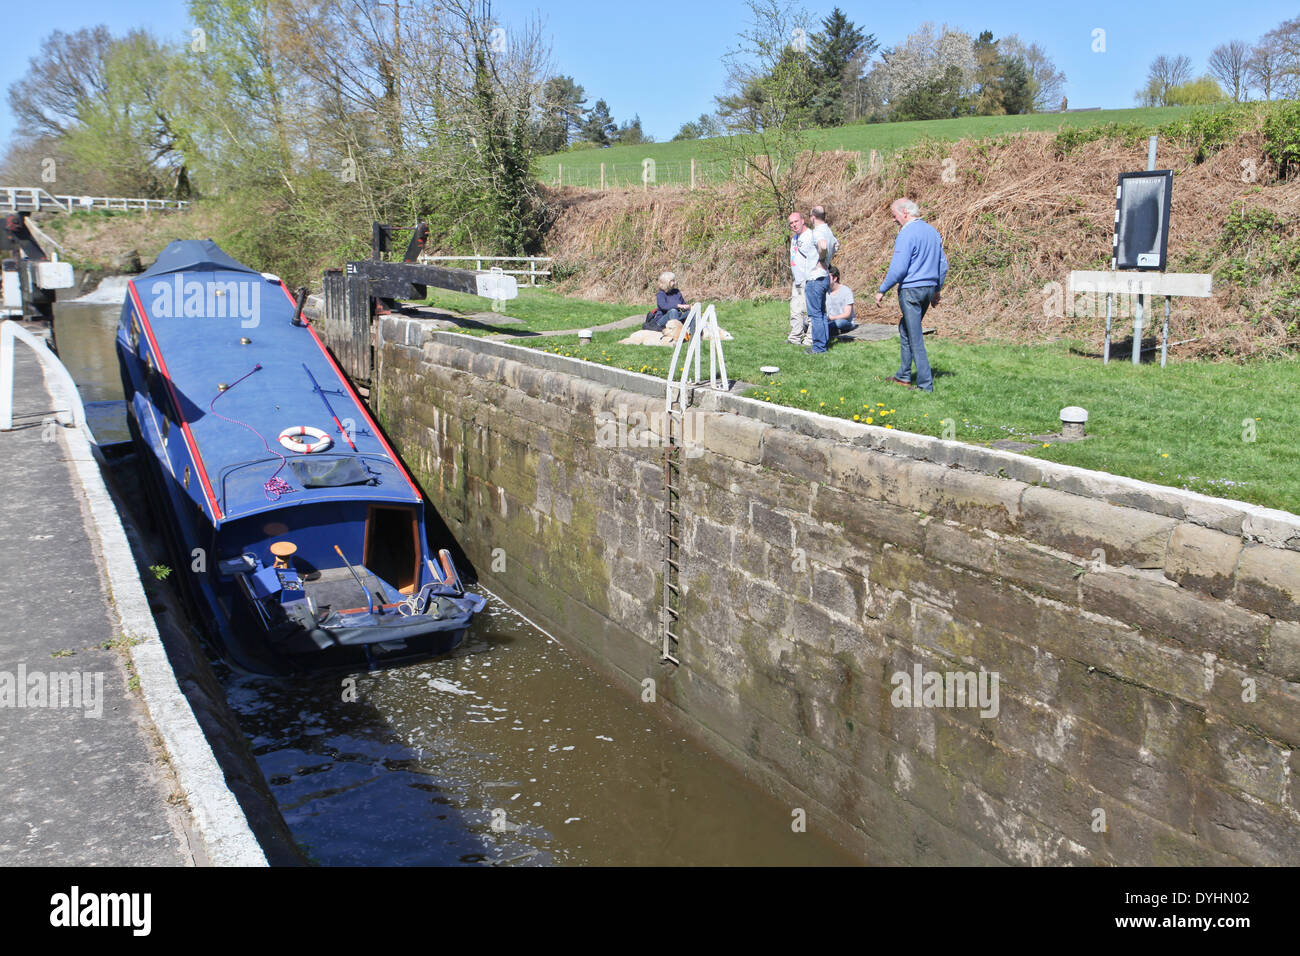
{"x":1145,"y":641}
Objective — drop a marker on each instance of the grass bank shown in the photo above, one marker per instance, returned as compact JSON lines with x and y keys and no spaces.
{"x":673,"y":159}
{"x":1188,"y":426}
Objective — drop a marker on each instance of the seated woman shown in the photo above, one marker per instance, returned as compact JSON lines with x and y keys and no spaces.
{"x":670,"y":304}
{"x":840,"y":314}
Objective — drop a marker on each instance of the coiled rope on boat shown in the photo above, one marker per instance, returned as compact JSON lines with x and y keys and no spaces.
{"x":275,"y":486}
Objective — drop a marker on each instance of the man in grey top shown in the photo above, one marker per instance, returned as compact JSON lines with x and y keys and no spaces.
{"x":818,"y":281}
{"x":803,"y":250}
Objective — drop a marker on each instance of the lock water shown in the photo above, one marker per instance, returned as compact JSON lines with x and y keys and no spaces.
{"x":510,"y":751}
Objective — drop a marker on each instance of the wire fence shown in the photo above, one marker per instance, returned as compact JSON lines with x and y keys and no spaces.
{"x":640,"y":174}
{"x":649,"y":173}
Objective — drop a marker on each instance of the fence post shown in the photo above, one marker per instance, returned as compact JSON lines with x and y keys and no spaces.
{"x":602,"y":177}
{"x":692,"y":172}
{"x":559,"y":174}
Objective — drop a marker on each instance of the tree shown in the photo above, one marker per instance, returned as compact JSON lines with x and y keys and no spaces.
{"x":923,"y":58}
{"x":105,"y":108}
{"x":562,"y":113}
{"x":1017,"y":87}
{"x":599,"y":126}
{"x":1284,"y":40}
{"x":1046,"y":80}
{"x":839,"y":52}
{"x":67,"y":74}
{"x":705,"y":126}
{"x":1228,"y":65}
{"x":1201,"y":92}
{"x":768,"y":106}
{"x":631,"y":134}
{"x":131,"y":131}
{"x":1263,"y":66}
{"x":987,"y":100}
{"x":1164,"y":73}
{"x":940,"y":98}
{"x":484,"y":157}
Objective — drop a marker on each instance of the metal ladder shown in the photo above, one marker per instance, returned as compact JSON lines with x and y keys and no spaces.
{"x":700,"y":325}
{"x":670,"y":611}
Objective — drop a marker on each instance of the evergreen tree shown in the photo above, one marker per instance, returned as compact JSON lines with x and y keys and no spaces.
{"x":599,"y":126}
{"x":631,"y":134}
{"x":988,"y":76}
{"x":838,"y":53}
{"x":562,"y":113}
{"x":1016,"y":86}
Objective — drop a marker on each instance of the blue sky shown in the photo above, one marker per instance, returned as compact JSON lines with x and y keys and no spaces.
{"x":661,"y":59}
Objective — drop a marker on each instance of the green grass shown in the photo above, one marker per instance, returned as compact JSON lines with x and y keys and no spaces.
{"x":1180,"y":426}
{"x":673,"y":159}
{"x":541,"y":310}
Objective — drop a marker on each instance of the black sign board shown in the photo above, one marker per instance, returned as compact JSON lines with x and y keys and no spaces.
{"x":1142,"y":219}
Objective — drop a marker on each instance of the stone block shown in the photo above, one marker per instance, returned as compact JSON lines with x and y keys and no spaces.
{"x":1268,"y":581}
{"x":1202,"y":559}
{"x":1283,"y":658}
{"x":960,"y":545}
{"x":795,"y":455}
{"x":1179,"y":616}
{"x":981,"y":501}
{"x":731,"y":436}
{"x":1036,"y":570}
{"x":1078,"y":525}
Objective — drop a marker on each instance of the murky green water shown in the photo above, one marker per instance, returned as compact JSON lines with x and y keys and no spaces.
{"x":509,"y":751}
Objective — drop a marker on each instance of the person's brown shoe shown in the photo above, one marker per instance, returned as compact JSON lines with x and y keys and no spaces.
{"x":899,"y":381}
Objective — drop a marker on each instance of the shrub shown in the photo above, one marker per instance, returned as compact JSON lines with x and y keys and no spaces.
{"x":1071,"y":138}
{"x":1208,"y":130}
{"x":1282,"y":136}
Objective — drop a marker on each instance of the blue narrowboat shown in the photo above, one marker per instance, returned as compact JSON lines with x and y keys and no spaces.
{"x":302,"y":535}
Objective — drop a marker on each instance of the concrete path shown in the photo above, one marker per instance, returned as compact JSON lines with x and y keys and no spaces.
{"x":84,"y":783}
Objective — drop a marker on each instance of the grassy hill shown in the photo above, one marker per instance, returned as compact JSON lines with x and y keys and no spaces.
{"x":673,"y":160}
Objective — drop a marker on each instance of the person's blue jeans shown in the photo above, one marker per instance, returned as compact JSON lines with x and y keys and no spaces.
{"x":840,"y":326}
{"x":914,"y":302}
{"x":663,"y":318}
{"x":815,"y":292}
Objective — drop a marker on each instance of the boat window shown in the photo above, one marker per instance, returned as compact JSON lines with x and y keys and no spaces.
{"x":134,"y":331}
{"x":392,"y":549}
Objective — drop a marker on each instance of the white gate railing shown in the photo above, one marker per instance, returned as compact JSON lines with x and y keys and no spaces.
{"x":63,"y":386}
{"x":532,"y":272}
{"x":34,"y":199}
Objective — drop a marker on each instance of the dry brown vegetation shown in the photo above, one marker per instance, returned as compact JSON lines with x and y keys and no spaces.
{"x":1015,"y":217}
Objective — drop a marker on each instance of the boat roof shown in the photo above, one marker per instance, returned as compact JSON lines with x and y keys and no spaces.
{"x":198,"y":306}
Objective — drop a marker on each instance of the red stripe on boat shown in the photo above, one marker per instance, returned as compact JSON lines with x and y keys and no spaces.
{"x":185,"y":427}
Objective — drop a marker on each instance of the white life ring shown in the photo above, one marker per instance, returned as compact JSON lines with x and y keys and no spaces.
{"x":295,"y":438}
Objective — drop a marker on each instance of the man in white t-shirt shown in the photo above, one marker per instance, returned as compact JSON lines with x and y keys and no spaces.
{"x":841,"y":316}
{"x":818,"y":282}
{"x":803,"y":251}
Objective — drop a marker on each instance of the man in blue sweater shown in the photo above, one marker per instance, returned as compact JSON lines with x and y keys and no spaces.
{"x":918,"y":268}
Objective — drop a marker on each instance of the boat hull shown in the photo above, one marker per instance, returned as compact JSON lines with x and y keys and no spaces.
{"x":360,"y":585}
